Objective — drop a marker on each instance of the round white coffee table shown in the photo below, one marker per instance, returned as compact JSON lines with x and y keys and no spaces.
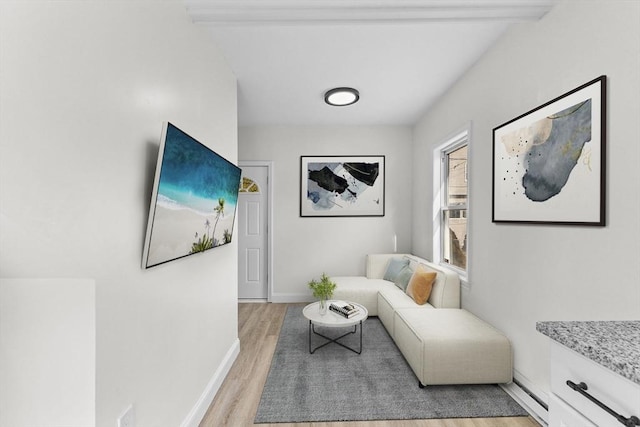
{"x":334,"y":320}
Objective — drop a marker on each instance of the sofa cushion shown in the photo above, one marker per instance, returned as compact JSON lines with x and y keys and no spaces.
{"x":402,"y":279}
{"x":394,"y":267}
{"x":391,"y":299}
{"x":452,"y":346}
{"x":420,"y":285}
{"x":395,"y":298}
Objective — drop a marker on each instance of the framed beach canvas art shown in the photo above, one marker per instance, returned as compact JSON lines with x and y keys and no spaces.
{"x":549,"y":163}
{"x":194,"y":199}
{"x":333,"y":186}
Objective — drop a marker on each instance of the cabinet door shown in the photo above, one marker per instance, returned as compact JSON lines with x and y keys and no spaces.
{"x":563,"y":415}
{"x":618,"y":393}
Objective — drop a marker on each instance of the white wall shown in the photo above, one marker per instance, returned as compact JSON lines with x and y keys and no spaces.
{"x":47,"y":357}
{"x":522,"y":274}
{"x":85,"y":88}
{"x":304,"y":248}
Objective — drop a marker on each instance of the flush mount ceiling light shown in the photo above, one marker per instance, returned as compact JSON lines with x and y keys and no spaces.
{"x":341,"y":96}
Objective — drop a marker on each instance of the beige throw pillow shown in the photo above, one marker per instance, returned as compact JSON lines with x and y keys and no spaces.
{"x":420,"y":285}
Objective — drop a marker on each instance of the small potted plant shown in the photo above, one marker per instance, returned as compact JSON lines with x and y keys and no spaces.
{"x":322,"y":290}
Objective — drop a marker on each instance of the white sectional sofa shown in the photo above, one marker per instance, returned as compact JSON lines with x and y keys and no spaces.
{"x":442,"y":343}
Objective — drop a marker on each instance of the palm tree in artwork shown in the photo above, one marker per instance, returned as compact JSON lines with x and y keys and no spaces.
{"x":219,"y":210}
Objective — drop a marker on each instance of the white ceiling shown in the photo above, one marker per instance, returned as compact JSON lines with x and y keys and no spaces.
{"x":400,"y":54}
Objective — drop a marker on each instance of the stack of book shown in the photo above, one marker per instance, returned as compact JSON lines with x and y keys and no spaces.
{"x":344,"y":309}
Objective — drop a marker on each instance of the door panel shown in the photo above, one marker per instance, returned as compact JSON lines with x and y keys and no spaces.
{"x":253,"y":218}
{"x":253,"y":265}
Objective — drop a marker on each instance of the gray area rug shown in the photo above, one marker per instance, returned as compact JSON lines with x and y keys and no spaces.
{"x":335,"y":384}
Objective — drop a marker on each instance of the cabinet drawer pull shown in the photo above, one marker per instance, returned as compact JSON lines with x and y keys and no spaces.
{"x":582,"y":388}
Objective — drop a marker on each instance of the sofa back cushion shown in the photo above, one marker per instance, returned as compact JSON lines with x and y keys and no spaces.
{"x":446,"y":288}
{"x":376,"y":264}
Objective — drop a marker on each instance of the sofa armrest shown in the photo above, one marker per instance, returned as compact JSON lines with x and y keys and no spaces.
{"x":376,"y":264}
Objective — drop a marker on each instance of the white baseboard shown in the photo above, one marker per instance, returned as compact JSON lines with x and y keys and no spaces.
{"x":200,"y":409}
{"x":524,"y":398}
{"x":282,"y":298}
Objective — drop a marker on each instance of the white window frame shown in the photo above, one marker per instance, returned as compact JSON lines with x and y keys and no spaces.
{"x":452,"y":143}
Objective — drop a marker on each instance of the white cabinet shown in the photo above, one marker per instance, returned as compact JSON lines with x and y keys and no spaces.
{"x":570,"y":408}
{"x":563,"y":415}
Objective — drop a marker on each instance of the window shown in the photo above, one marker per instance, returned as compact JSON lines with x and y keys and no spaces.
{"x":451,"y":202}
{"x":247,"y":185}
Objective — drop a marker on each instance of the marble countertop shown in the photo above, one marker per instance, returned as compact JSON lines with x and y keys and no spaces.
{"x":612,"y":344}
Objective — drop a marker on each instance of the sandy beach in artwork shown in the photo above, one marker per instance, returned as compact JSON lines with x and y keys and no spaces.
{"x":175,"y":230}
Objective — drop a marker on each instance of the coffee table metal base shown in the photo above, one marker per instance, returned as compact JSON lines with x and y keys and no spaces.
{"x":312,"y":330}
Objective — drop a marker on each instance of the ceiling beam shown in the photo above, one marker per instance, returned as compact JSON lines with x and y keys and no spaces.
{"x":305,"y":12}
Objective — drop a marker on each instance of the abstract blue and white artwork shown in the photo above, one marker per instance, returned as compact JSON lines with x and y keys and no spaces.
{"x":342,"y":186}
{"x":194,"y":199}
{"x":549,"y":164}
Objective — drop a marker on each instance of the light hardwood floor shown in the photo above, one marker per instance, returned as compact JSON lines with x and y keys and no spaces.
{"x":238,"y":398}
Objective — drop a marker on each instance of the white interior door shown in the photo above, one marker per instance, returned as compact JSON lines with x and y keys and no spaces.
{"x":252,"y":233}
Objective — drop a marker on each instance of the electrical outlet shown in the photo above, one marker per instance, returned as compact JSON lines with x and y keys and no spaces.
{"x":127,"y":419}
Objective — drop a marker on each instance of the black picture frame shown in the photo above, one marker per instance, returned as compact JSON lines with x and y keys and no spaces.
{"x":342,"y":186}
{"x":549,"y":164}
